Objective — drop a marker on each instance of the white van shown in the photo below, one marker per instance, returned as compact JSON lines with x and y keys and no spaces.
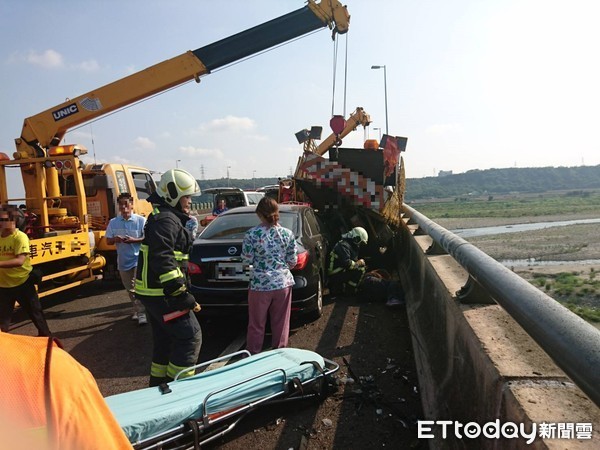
{"x":234,"y":197}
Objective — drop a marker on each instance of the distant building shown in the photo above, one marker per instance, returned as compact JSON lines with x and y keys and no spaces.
{"x":444,"y":173}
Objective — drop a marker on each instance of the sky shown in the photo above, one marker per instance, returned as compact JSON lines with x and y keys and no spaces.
{"x":472,"y":84}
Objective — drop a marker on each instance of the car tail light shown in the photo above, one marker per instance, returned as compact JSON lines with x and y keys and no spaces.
{"x":302,"y":260}
{"x":194,"y":269}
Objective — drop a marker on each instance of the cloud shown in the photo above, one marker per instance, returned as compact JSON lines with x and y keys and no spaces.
{"x":144,"y":143}
{"x":229,"y":130}
{"x":229,"y":124}
{"x":51,"y":59}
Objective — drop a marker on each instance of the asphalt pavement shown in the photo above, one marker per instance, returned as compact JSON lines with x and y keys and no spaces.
{"x":377,"y":402}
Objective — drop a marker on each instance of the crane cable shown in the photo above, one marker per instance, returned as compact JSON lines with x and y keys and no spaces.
{"x":335,"y":56}
{"x":345,"y":74}
{"x":93,"y":144}
{"x":335,"y":50}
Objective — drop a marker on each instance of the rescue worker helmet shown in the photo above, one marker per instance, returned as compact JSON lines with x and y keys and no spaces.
{"x":177,"y":183}
{"x":358,"y":234}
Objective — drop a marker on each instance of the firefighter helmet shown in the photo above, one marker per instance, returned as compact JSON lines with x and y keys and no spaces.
{"x":177,"y":183}
{"x":358,"y":234}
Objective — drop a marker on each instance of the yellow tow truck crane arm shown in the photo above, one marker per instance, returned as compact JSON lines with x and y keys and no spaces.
{"x":48,"y":128}
{"x":358,"y":117}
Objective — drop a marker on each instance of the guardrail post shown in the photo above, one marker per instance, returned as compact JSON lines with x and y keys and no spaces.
{"x":418,"y":231}
{"x":435,"y":249}
{"x":473,"y":293}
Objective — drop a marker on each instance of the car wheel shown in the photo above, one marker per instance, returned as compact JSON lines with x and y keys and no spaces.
{"x":317,"y":311}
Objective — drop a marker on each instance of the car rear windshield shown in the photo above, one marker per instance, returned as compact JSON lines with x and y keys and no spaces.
{"x":234,"y":226}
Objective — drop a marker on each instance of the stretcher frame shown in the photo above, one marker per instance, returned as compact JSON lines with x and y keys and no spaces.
{"x":210,"y":426}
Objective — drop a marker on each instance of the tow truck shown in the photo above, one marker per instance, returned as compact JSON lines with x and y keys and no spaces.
{"x":67,"y":204}
{"x":287,"y":190}
{"x":354,"y":186}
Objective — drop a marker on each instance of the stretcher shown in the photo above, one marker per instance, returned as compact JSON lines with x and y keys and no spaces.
{"x":189,"y":412}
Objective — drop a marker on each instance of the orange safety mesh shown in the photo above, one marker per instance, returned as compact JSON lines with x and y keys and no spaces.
{"x":24,"y":401}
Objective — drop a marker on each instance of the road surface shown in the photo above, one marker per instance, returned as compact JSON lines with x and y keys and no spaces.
{"x":379,"y":409}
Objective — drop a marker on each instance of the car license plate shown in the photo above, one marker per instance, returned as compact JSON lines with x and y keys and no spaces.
{"x":233,"y":271}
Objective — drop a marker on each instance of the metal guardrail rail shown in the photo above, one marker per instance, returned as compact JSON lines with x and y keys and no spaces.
{"x":570,"y":341}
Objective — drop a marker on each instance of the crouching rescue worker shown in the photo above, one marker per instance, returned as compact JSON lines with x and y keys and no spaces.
{"x":161,"y":278}
{"x":346,"y":269}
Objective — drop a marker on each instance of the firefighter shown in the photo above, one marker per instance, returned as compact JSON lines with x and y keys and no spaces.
{"x":346,"y":269}
{"x":161,"y":282}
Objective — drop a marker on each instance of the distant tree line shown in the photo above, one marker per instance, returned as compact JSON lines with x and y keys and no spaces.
{"x":504,"y":181}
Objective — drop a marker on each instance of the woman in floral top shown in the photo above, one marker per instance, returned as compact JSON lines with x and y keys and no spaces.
{"x":271,"y":251}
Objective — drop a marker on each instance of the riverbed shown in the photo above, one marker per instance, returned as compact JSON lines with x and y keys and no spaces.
{"x":547,"y":246}
{"x":550,"y":240}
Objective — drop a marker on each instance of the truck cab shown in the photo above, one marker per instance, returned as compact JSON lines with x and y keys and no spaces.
{"x":107,"y":181}
{"x":66,"y":210}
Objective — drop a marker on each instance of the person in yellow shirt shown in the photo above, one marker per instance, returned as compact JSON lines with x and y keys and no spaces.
{"x":16,"y":282}
{"x":48,"y":401}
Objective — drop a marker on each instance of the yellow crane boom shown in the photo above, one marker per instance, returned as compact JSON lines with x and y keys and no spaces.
{"x":358,"y":117}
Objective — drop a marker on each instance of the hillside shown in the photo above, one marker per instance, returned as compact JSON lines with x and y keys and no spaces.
{"x":504,"y":181}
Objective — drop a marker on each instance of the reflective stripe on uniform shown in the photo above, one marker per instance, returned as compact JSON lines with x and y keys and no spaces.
{"x":173,"y":370}
{"x":140,"y":284}
{"x":142,"y":289}
{"x":181,"y":290}
{"x":180,"y":256}
{"x":158,"y":370}
{"x":171,"y":275}
{"x":331,"y":270}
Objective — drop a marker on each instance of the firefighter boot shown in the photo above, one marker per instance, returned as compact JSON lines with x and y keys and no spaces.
{"x":157,"y":381}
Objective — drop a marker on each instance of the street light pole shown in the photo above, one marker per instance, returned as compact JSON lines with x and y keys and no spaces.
{"x":177,"y":161}
{"x":385,"y":92}
{"x":228,"y":167}
{"x":254,"y":179}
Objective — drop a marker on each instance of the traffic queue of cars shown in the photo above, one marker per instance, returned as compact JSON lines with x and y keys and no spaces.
{"x":219,"y":279}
